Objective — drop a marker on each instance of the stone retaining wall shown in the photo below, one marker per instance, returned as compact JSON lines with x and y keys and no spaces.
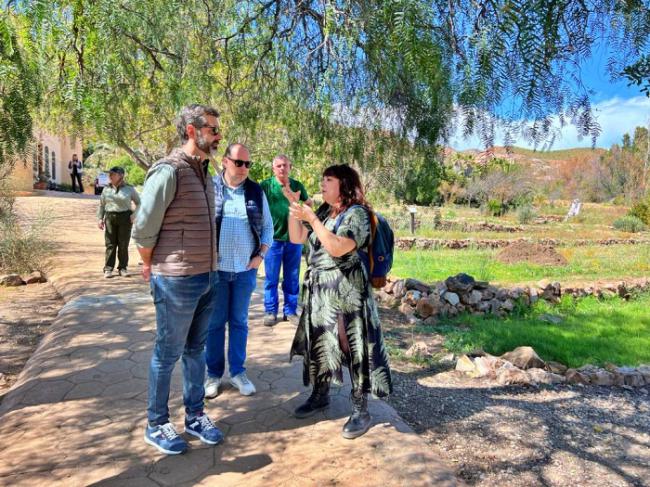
{"x":425,"y":303}
{"x":462,"y":293}
{"x":409,"y":243}
{"x":522,"y":366}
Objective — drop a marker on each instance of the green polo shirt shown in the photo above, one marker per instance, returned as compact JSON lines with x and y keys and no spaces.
{"x":279,"y":205}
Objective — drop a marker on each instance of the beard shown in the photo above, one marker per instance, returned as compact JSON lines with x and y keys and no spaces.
{"x":205,"y":146}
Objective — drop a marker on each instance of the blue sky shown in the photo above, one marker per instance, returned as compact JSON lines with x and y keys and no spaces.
{"x":619,"y":108}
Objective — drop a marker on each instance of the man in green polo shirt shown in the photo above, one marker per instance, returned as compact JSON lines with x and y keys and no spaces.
{"x":282,"y":253}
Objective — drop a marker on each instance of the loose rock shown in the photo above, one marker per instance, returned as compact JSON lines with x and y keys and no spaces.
{"x":465,"y":364}
{"x":574,"y":377}
{"x":508,"y":374}
{"x":418,"y":349}
{"x":542,"y":376}
{"x":451,"y":298}
{"x":524,"y":358}
{"x":556,"y":367}
{"x":11,"y":280}
{"x":414,"y":284}
{"x":460,"y":283}
{"x":35,"y":277}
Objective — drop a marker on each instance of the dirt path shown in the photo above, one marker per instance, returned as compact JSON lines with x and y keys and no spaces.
{"x":26,"y":312}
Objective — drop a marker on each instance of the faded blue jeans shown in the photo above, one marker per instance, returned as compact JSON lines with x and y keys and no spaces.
{"x":233,"y":296}
{"x":183,"y":308}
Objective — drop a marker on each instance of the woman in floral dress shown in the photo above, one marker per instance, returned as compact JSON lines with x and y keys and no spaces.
{"x":339,"y":324}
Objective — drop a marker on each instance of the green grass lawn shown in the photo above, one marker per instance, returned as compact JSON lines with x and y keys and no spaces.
{"x":588,"y":263}
{"x":592,"y":331}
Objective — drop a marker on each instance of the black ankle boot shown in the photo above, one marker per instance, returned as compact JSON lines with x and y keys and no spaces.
{"x":318,"y":401}
{"x":360,"y":420}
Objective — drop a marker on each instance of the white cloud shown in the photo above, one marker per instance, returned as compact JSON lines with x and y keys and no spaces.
{"x":616,"y":116}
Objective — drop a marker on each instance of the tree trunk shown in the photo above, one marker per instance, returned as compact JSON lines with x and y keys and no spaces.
{"x":138,"y":158}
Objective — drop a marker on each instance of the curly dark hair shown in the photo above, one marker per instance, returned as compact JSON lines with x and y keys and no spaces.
{"x":193,"y":115}
{"x":350,"y":187}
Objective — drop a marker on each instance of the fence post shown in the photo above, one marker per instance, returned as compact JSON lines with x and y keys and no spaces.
{"x":412,"y":211}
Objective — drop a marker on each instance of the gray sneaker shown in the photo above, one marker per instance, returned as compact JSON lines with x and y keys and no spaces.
{"x":270,"y":319}
{"x":124,"y":273}
{"x":108,"y":274}
{"x":245,"y":386}
{"x":212,"y":385}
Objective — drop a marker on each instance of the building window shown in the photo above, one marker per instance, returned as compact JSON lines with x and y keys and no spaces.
{"x":46,"y":153}
{"x":53,"y":165}
{"x":35,"y":160}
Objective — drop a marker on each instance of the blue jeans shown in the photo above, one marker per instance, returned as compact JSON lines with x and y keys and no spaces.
{"x":183,"y":308}
{"x":287,"y":255}
{"x":233,"y":296}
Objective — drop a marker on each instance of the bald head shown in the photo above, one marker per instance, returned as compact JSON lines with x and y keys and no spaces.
{"x":235,"y":160}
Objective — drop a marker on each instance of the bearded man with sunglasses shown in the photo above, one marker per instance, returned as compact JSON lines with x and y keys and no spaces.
{"x":244,"y":230}
{"x":175,"y":234}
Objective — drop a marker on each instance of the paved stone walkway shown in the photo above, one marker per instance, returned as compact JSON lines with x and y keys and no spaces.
{"x":77,"y":413}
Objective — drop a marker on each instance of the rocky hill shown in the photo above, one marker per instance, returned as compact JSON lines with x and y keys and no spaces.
{"x":542,"y":163}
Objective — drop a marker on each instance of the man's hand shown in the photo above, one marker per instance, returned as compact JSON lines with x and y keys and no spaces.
{"x":146,"y":272}
{"x":100,"y":224}
{"x":254,"y":263}
{"x":145,"y":255}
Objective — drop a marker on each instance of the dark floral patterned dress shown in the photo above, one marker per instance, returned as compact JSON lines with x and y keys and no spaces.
{"x":337,"y":298}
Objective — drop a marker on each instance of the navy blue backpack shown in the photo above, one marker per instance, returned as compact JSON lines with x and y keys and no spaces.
{"x":377,"y":258}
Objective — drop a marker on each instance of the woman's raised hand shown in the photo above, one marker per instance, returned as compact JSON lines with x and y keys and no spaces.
{"x":302,"y":212}
{"x":292,"y":196}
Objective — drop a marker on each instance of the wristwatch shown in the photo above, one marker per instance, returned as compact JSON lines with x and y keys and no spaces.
{"x":262,"y":254}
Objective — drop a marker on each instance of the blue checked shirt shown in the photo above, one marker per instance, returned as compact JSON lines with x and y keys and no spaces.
{"x":236,"y":240}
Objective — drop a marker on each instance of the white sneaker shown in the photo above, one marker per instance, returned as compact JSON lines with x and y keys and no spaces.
{"x":124,"y":273}
{"x":245,"y":386}
{"x":212,"y":385}
{"x":108,"y":274}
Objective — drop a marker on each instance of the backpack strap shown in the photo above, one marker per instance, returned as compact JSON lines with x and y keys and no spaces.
{"x":373,"y":230}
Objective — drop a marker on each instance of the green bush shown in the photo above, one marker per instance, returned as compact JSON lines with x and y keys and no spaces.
{"x":437,"y":218}
{"x":134,"y":174}
{"x":641,"y":210}
{"x":630,"y":224}
{"x":23,"y":249}
{"x":526,"y":214}
{"x":495,"y":208}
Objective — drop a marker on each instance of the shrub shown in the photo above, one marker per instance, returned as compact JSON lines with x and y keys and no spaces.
{"x":134,"y":174}
{"x":641,"y":210}
{"x":526,"y":214}
{"x":23,"y":249}
{"x":6,"y":200}
{"x":495,"y":208}
{"x":437,"y":218}
{"x":630,"y":224}
{"x":540,"y":200}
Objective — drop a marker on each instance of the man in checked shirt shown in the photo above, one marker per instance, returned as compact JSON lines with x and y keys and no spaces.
{"x":244,"y":229}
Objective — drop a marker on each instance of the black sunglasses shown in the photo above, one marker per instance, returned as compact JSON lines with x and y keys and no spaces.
{"x":240,"y":163}
{"x":215,"y":129}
